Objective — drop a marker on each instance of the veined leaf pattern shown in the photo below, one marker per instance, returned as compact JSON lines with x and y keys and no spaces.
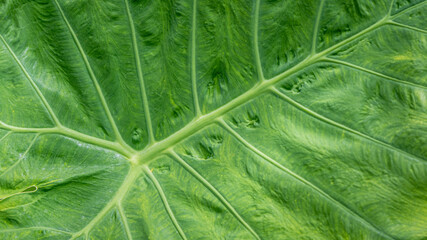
{"x":197,"y":119}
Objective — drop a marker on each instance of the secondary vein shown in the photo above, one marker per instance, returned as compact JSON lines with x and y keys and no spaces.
{"x":225,"y":126}
{"x":255,"y":42}
{"x":343,"y":127}
{"x":407,"y":27}
{"x":124,"y":221}
{"x":372,"y":72}
{"x":193,"y":61}
{"x":92,"y":75}
{"x":214,"y":191}
{"x":316,"y":27}
{"x":140,"y":77}
{"x":117,"y":198}
{"x":22,"y":157}
{"x":32,"y":82}
{"x":114,"y":146}
{"x":162,"y":195}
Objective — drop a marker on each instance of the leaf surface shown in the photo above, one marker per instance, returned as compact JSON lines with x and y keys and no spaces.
{"x":267,"y":119}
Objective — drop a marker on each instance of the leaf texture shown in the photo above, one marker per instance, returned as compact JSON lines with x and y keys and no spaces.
{"x":199,"y":119}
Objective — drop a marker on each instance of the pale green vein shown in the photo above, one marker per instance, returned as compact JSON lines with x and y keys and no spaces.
{"x":353,"y":66}
{"x":337,"y":203}
{"x":407,"y":27}
{"x":33,"y":84}
{"x":343,"y":127}
{"x":21,"y":206}
{"x":67,"y":132}
{"x":193,"y":61}
{"x":162,"y":195}
{"x":140,"y":76}
{"x":213,"y":190}
{"x":34,"y":229}
{"x":117,"y":198}
{"x":22,"y":157}
{"x":124,"y":221}
{"x":92,"y":76}
{"x":5,"y":136}
{"x":24,"y":129}
{"x":255,"y":42}
{"x":390,"y":9}
{"x":318,"y":56}
{"x":415,"y":6}
{"x":115,"y":146}
{"x":316,"y":27}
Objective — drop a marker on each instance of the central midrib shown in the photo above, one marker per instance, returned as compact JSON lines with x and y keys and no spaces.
{"x":152,"y":151}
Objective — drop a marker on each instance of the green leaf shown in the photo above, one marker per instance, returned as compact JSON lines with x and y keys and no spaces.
{"x":267,"y":119}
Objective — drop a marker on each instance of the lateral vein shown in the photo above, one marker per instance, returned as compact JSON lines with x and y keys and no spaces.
{"x":92,"y":75}
{"x":415,"y":6}
{"x":343,"y":127}
{"x":140,"y":76}
{"x":34,"y":229}
{"x":372,"y":72}
{"x":124,"y":220}
{"x":213,"y":190}
{"x":407,"y":27}
{"x":33,"y":84}
{"x":390,"y":9}
{"x":193,"y":61}
{"x":255,"y":42}
{"x":162,"y":195}
{"x":316,"y":27}
{"x":318,"y":56}
{"x":67,"y":132}
{"x":225,"y":126}
{"x":6,"y":135}
{"x":22,"y":157}
{"x":117,"y":198}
